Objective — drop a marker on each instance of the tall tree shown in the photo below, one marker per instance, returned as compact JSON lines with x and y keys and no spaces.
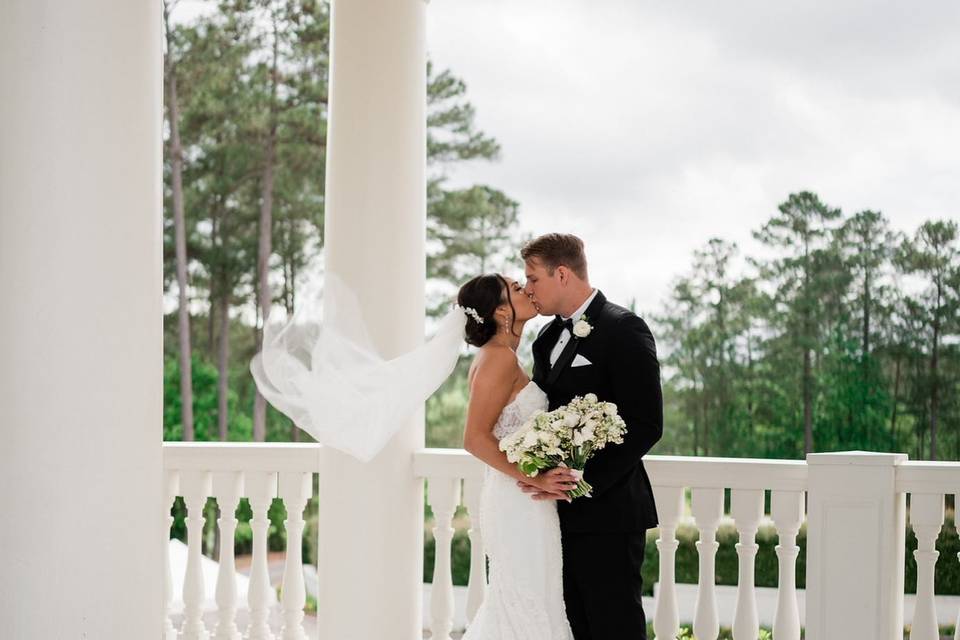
{"x":175,"y":156}
{"x":933,"y":254}
{"x":801,"y":234}
{"x":469,"y":230}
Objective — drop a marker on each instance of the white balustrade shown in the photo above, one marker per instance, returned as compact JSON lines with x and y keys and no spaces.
{"x":443,"y":495}
{"x":228,"y":472}
{"x":746,"y":506}
{"x":477,"y":582}
{"x":786,"y":509}
{"x":227,"y":489}
{"x":263,"y":472}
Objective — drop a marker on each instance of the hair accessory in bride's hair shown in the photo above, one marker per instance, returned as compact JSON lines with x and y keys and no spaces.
{"x":470,"y":311}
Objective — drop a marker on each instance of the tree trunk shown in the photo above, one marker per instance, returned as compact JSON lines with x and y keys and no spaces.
{"x":935,"y":376}
{"x":180,"y":237}
{"x":807,"y":403}
{"x":223,"y":359}
{"x":896,"y":399}
{"x":266,"y":234}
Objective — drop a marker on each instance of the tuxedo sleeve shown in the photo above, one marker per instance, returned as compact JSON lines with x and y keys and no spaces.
{"x":635,"y":381}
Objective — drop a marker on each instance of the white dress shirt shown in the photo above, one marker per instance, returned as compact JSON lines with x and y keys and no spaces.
{"x":565,"y":334}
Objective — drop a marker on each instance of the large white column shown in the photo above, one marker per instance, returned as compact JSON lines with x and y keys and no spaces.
{"x":371,"y":515}
{"x":80,"y":319}
{"x":856,"y":523}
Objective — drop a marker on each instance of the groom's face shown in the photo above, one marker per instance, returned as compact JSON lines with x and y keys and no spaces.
{"x":543,"y":287}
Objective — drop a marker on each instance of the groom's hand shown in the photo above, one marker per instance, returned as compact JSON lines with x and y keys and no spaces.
{"x":550,"y":485}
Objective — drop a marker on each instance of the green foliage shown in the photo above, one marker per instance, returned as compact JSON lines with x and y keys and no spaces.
{"x":819,"y":347}
{"x":205,"y":404}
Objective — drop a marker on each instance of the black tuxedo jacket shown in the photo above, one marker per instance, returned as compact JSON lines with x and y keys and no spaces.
{"x":624,"y":370}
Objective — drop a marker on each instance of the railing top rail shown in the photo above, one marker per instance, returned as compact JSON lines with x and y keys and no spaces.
{"x":241,"y":456}
{"x":677,"y":471}
{"x":927,"y":477}
{"x":727,"y":473}
{"x":446,"y":463}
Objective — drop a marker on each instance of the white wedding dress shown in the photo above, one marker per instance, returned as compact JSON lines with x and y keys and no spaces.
{"x":521,"y":537}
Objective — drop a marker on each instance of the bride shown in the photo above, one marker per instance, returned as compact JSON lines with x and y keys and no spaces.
{"x":331,"y":381}
{"x":521,"y":536}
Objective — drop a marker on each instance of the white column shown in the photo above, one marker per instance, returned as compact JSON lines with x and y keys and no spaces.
{"x":855,"y":546}
{"x":375,"y":241}
{"x":80,"y":330}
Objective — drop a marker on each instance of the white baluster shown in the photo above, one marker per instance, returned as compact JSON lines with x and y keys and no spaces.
{"x":786,"y":509}
{"x":171,"y":489}
{"x":295,"y":490}
{"x":746,"y":506}
{"x":443,"y":495}
{"x":707,"y":508}
{"x":666,"y":619}
{"x":261,"y":489}
{"x":227,"y":489}
{"x":926,"y":518}
{"x":956,"y":524}
{"x":956,"y":502}
{"x":196,"y":487}
{"x":477,"y":583}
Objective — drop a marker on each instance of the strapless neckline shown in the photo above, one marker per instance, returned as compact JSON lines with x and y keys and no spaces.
{"x":528,"y":399}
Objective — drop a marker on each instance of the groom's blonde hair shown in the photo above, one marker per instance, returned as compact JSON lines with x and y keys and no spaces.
{"x":555,"y":249}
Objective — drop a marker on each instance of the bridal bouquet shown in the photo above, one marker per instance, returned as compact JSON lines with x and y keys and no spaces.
{"x":568,"y":436}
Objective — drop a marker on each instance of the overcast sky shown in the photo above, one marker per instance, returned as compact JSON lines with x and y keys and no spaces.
{"x":647,"y":128}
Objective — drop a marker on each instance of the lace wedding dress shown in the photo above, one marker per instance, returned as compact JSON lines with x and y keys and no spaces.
{"x":521,"y":537}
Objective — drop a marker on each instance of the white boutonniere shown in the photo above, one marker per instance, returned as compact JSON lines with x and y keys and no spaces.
{"x":582,"y":328}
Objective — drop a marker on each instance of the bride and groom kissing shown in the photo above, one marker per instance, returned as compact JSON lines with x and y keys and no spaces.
{"x":560,"y":569}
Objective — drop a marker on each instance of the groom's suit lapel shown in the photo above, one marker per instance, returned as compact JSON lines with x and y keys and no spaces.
{"x":570,"y":349}
{"x":541,"y":352}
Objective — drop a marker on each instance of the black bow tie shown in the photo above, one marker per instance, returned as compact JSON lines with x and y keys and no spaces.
{"x":564,"y":324}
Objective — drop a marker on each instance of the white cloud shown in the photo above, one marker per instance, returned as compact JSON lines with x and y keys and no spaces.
{"x":648,"y":128}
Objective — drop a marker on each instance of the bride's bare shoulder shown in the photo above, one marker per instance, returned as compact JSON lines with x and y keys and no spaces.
{"x":493,"y":364}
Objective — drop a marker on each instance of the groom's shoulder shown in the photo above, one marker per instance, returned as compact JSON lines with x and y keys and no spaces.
{"x":622,"y":317}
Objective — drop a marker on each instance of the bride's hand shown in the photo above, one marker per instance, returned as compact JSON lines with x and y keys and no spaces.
{"x":550,"y":485}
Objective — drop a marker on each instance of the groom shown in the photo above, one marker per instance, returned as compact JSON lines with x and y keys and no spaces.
{"x":595,"y":346}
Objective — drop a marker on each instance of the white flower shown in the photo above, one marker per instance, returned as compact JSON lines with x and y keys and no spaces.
{"x":610,"y":408}
{"x":582,"y":328}
{"x":590,"y":397}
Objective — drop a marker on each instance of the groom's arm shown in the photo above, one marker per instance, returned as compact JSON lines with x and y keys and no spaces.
{"x":635,"y":373}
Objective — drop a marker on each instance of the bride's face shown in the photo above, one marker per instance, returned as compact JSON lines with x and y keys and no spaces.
{"x":522,"y":303}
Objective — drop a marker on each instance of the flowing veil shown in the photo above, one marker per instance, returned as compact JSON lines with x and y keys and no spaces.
{"x":325,"y":374}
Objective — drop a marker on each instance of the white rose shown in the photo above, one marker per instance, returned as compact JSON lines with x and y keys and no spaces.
{"x":582,"y":329}
{"x":529,"y":439}
{"x":590,"y":397}
{"x":610,"y":408}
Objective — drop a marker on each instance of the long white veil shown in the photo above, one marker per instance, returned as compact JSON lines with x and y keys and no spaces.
{"x":321,"y":369}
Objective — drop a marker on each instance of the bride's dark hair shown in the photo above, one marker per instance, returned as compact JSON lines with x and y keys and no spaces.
{"x":484,"y":294}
